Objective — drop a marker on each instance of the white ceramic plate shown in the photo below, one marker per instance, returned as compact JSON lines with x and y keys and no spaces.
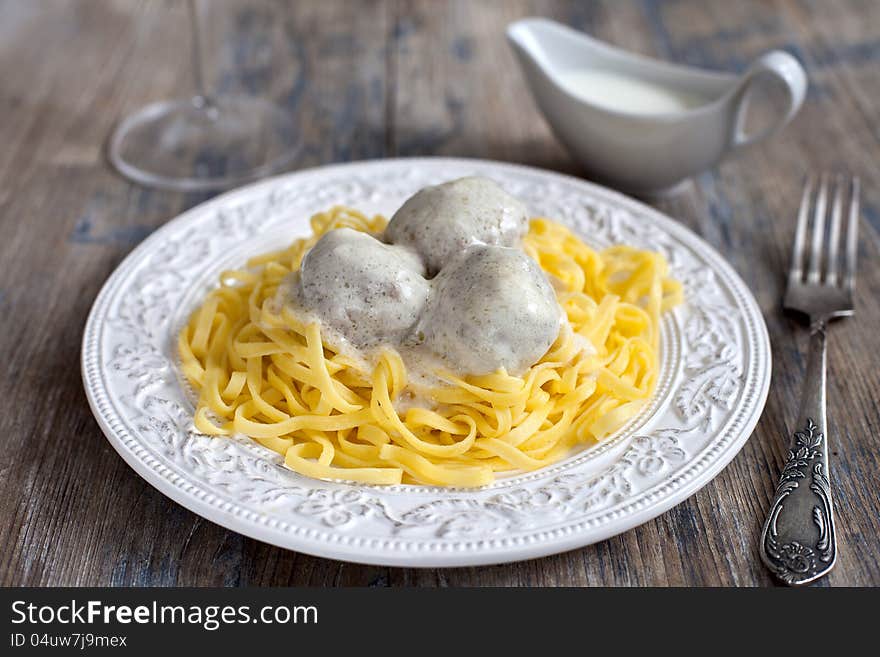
{"x":713,"y":385}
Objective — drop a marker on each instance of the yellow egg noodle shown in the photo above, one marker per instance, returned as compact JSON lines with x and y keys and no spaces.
{"x":261,"y":372}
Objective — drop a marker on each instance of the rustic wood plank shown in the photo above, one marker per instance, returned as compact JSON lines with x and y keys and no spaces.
{"x":377,"y":79}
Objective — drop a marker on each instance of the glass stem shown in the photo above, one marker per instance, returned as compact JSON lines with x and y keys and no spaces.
{"x":197,"y":57}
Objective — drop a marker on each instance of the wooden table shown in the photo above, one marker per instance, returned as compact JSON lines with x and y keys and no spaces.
{"x":376,"y":79}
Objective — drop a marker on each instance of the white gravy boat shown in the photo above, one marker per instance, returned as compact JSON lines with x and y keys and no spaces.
{"x":638,"y":151}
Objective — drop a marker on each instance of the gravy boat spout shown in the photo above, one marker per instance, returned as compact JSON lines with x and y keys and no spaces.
{"x":639,"y":124}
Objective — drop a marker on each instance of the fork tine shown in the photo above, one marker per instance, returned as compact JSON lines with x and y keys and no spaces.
{"x":833,"y":257}
{"x":796,"y":271}
{"x":852,"y":233}
{"x":818,"y":231}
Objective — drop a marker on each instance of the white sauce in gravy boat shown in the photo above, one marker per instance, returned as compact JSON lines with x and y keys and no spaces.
{"x":639,"y":124}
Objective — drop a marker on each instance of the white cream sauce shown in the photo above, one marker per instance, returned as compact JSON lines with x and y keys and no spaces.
{"x":625,"y":93}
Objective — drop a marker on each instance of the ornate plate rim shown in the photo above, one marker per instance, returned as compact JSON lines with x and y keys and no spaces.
{"x":424,"y":552}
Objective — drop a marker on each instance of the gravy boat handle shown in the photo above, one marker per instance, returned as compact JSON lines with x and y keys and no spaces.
{"x":782,"y":66}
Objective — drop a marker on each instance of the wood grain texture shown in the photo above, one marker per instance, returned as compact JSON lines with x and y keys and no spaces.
{"x":388,"y":78}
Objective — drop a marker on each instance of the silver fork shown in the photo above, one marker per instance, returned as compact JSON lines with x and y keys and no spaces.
{"x":798,"y":542}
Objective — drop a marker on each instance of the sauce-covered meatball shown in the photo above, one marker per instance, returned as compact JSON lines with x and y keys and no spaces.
{"x":493,"y":307}
{"x":372,"y":293}
{"x":441,"y":221}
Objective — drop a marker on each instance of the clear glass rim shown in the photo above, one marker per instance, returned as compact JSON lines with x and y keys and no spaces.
{"x":191,"y":183}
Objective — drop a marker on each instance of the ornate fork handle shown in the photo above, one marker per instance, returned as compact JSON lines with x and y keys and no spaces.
{"x":798,"y":542}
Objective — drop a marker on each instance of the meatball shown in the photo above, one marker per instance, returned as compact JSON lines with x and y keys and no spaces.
{"x":493,"y":307}
{"x":371,"y":293}
{"x":441,"y":221}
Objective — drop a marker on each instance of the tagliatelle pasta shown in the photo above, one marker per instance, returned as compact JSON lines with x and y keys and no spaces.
{"x":261,"y":371}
